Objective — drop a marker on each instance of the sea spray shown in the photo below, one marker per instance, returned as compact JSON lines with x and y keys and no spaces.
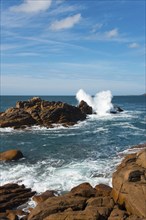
{"x":101,"y":102}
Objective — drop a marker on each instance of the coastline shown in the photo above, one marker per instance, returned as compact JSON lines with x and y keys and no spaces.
{"x":132,"y":173}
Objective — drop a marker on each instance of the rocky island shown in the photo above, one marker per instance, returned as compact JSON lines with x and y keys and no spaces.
{"x":44,"y":113}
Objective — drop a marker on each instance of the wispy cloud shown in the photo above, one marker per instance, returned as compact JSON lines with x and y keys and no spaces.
{"x":112,"y":33}
{"x":31,"y":6}
{"x":134,"y":45}
{"x":63,"y":9}
{"x":66,"y":23}
{"x":5,"y":47}
{"x":96,"y":27}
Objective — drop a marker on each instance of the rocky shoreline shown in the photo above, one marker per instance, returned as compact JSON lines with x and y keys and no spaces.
{"x":125,"y":201}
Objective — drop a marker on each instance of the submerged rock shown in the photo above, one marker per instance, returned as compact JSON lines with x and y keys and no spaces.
{"x":11,"y":155}
{"x":39,"y":112}
{"x":116,"y":109}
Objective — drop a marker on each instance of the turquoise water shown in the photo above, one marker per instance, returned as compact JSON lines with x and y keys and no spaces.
{"x":61,"y":158}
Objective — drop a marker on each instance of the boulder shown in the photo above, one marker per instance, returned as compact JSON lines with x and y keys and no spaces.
{"x":102,"y":190}
{"x":84,"y":190}
{"x":42,"y":197}
{"x":11,"y":155}
{"x":129,"y":184}
{"x":85,"y":108}
{"x":141,"y":159}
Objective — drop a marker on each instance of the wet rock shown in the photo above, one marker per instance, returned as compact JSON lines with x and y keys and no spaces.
{"x":129,"y":184}
{"x":116,"y":109}
{"x":14,"y":117}
{"x":85,"y":108}
{"x":12,"y":195}
{"x":11,"y":155}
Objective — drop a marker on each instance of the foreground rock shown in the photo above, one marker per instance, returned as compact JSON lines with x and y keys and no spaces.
{"x":39,"y":112}
{"x":12,"y":196}
{"x":129,"y":184}
{"x":82,"y":203}
{"x":11,"y":155}
{"x":125,"y":201}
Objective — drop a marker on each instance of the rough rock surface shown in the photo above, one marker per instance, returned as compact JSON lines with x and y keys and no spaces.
{"x":39,"y":112}
{"x":129,"y":184}
{"x":11,"y":196}
{"x":85,"y":108}
{"x":81,"y":203}
{"x":11,"y":155}
{"x":44,"y":196}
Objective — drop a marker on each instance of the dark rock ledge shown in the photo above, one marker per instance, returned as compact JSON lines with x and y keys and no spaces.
{"x":125,"y":201}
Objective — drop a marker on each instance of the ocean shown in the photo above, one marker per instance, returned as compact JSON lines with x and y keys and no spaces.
{"x":60,"y":158}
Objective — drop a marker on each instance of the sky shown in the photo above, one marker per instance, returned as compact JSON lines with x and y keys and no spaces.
{"x":56,"y":47}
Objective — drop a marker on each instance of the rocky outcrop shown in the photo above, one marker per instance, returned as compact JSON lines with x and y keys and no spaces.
{"x":83,"y":202}
{"x":11,"y":155}
{"x":85,"y":108}
{"x":11,"y":196}
{"x":125,"y":201}
{"x":129,"y":184}
{"x":40,"y":112}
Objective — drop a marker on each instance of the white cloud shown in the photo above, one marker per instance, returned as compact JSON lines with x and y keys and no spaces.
{"x":112,"y":33}
{"x":133,"y":45}
{"x":32,"y":6}
{"x":68,"y":22}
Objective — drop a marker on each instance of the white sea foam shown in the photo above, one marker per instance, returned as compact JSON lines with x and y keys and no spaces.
{"x":8,"y":129}
{"x":101,"y":102}
{"x":42,"y":175}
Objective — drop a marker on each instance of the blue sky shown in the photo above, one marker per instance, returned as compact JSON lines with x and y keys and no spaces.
{"x":56,"y":47}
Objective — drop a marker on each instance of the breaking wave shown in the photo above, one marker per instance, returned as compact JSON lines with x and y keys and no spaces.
{"x":100,"y":103}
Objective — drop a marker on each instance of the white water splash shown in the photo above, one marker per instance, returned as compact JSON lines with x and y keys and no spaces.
{"x":101,"y":102}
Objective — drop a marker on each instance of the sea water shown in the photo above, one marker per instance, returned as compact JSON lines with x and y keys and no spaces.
{"x":60,"y":158}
